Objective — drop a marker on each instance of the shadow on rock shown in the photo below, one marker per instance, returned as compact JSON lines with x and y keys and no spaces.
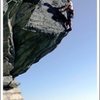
{"x":57,"y":15}
{"x":32,"y":1}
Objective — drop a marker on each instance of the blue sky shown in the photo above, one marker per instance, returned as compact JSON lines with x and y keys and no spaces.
{"x":69,"y":72}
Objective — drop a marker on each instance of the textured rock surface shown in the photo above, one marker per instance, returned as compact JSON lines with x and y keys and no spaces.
{"x":32,"y":29}
{"x":13,"y":94}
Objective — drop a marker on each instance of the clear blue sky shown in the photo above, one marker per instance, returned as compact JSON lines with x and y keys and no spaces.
{"x":69,"y":72}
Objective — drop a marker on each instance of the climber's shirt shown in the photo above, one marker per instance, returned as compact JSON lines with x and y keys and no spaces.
{"x":69,"y":5}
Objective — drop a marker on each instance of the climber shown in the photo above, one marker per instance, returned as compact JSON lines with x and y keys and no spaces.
{"x":70,"y":13}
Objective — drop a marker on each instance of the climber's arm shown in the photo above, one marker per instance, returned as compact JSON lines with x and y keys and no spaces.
{"x":64,"y":8}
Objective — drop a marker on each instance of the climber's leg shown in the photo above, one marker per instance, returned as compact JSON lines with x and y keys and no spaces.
{"x":69,"y":22}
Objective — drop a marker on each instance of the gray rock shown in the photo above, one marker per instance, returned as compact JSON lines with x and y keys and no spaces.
{"x":7,"y":80}
{"x":32,"y":29}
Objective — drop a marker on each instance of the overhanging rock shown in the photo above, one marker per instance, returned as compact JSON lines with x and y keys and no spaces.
{"x":32,"y":29}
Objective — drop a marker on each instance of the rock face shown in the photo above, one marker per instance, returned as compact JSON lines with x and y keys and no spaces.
{"x":32,"y":29}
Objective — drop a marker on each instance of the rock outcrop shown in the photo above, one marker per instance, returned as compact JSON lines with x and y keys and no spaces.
{"x":32,"y":29}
